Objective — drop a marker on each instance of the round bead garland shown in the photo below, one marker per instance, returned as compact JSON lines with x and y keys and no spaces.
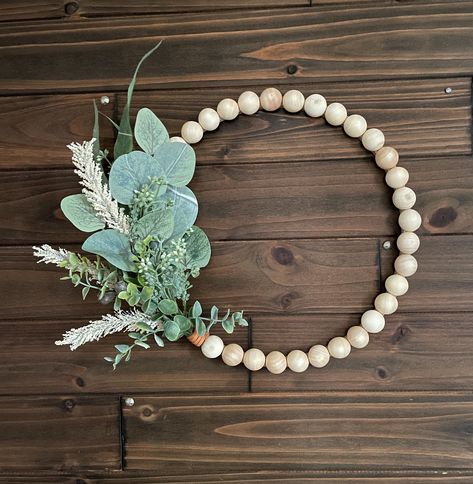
{"x":404,"y":198}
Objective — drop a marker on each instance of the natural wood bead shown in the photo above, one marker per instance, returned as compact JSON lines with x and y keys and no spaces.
{"x":293,"y":101}
{"x":315,"y":105}
{"x":373,"y":321}
{"x":397,"y":177}
{"x":404,"y":198}
{"x":254,"y":359}
{"x":335,"y":114}
{"x":228,"y":109}
{"x":297,"y":361}
{"x":373,"y":139}
{"x":408,"y":242}
{"x":358,"y":337}
{"x":339,"y":347}
{"x":212,"y":347}
{"x":232,"y":354}
{"x":177,"y":139}
{"x":396,"y":285}
{"x":355,"y":125}
{"x":248,"y":102}
{"x":409,"y":220}
{"x":318,"y":356}
{"x":406,"y":265}
{"x":209,"y":119}
{"x":192,"y":132}
{"x":387,"y":158}
{"x":276,"y":362}
{"x":386,"y":303}
{"x":271,"y":99}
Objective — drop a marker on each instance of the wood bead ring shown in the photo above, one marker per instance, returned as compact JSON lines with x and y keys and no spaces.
{"x":404,"y":198}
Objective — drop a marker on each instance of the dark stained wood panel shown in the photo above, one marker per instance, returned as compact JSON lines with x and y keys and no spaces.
{"x":305,"y":431}
{"x":271,"y":276}
{"x":418,"y":117}
{"x":344,"y":44}
{"x":27,"y":10}
{"x":59,"y":433}
{"x":31,"y":363}
{"x":410,"y":353}
{"x":256,"y":201}
{"x":440,"y":266}
{"x":282,"y":276}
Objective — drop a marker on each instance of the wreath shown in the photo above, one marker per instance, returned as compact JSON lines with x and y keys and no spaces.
{"x":141,"y":214}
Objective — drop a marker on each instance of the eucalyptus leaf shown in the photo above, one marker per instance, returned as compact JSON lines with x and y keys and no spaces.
{"x":228,"y":326}
{"x":178,"y":161}
{"x":184,"y":209}
{"x":200,"y":327}
{"x":198,"y":248}
{"x":168,"y":306}
{"x":184,"y":323}
{"x":124,"y":142}
{"x":159,"y":224}
{"x":112,"y":246}
{"x":150,"y":132}
{"x":130,"y":172}
{"x":196,"y":309}
{"x":158,"y":340}
{"x":171,"y":330}
{"x":80,"y":213}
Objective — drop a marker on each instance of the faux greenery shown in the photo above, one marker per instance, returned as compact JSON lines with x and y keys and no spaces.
{"x":141,"y":215}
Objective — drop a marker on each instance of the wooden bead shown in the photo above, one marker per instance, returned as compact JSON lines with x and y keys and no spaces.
{"x":209,"y":119}
{"x":396,"y":285}
{"x":386,"y":303}
{"x":404,"y":198}
{"x":192,"y":132}
{"x":358,"y":337}
{"x":406,"y":265}
{"x":270,"y":99}
{"x":373,"y":321}
{"x":254,"y":359}
{"x":409,"y":220}
{"x":212,"y":347}
{"x":248,"y":102}
{"x":293,"y":101}
{"x":408,"y":242}
{"x":387,"y":158}
{"x":177,"y":139}
{"x":339,"y":347}
{"x":297,"y":361}
{"x":232,"y":354}
{"x":318,"y":356}
{"x":335,"y":114}
{"x":228,"y":109}
{"x":397,"y":177}
{"x":355,"y":125}
{"x":315,"y":105}
{"x":373,"y":139}
{"x":276,"y":362}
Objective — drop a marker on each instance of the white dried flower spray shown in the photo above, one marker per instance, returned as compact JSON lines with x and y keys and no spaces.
{"x":48,"y":255}
{"x":110,"y":323}
{"x":97,"y":193}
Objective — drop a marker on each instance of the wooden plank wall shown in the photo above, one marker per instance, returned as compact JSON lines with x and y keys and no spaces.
{"x":298,"y":216}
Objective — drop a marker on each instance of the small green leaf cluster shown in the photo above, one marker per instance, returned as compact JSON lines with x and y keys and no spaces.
{"x":150,"y":264}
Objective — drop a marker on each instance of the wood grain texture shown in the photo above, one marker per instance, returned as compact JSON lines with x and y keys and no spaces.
{"x":265,"y":201}
{"x":59,"y":433}
{"x":32,"y":364}
{"x":287,"y":276}
{"x":374,"y":43}
{"x":419,"y":119}
{"x":307,"y":431}
{"x":279,"y":276}
{"x":11,"y":10}
{"x":410,"y":354}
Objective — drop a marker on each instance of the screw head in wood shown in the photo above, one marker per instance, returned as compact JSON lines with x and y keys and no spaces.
{"x":448,"y":90}
{"x":129,"y":401}
{"x":104,"y":99}
{"x":386,"y":244}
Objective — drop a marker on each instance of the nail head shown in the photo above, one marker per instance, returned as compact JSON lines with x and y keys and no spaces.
{"x":386,"y":244}
{"x":104,"y":99}
{"x":129,"y":401}
{"x":448,"y":90}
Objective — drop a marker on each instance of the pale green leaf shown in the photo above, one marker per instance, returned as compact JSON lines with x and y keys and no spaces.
{"x":171,"y":330}
{"x":198,"y":248}
{"x":112,"y":246}
{"x":178,"y":162}
{"x":149,"y":131}
{"x":159,"y":224}
{"x":168,"y":306}
{"x":80,"y":213}
{"x":184,"y":208}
